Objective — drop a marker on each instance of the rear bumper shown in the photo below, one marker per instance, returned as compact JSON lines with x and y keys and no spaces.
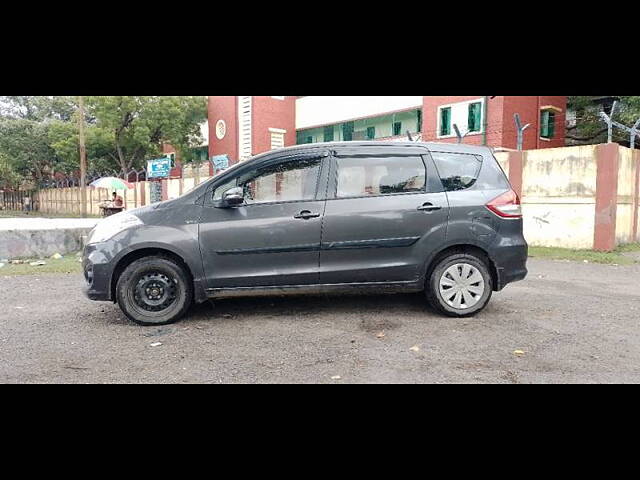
{"x":511,"y":264}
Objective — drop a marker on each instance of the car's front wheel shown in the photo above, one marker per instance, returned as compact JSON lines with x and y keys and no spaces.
{"x":460,"y":285}
{"x":154,"y":291}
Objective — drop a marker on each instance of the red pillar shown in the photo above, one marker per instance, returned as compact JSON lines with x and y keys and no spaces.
{"x":606,"y":197}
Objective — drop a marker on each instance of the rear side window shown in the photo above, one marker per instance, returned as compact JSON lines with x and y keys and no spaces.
{"x":362,"y":177}
{"x":458,"y":171}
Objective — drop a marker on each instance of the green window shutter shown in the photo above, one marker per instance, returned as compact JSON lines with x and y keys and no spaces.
{"x":397,"y":128}
{"x":371,"y":133}
{"x":473,"y":121}
{"x":347,"y":131}
{"x":546,"y":125}
{"x":471,"y":125}
{"x":328,"y":134}
{"x":445,"y":121}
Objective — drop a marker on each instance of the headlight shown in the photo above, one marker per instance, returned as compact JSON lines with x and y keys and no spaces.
{"x":111,"y":226}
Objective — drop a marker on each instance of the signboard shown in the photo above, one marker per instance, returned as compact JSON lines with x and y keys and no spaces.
{"x":158,"y":168}
{"x":220,"y":162}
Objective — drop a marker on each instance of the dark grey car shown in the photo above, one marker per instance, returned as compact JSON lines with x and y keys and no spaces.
{"x":332,"y":217}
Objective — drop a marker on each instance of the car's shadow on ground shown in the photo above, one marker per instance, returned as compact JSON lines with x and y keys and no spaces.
{"x":301,"y":306}
{"x":387,"y":309}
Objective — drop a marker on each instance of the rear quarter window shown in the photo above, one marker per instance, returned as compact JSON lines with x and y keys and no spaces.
{"x":458,"y":171}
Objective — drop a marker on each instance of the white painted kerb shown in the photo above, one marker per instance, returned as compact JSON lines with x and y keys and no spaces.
{"x":46,"y":223}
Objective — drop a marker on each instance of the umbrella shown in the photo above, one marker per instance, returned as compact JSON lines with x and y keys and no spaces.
{"x":112,"y":183}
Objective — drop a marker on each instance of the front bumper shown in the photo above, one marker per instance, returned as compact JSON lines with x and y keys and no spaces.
{"x":97,"y":268}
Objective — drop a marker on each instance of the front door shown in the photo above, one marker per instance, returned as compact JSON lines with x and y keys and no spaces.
{"x":273,"y":239}
{"x":385,"y":214}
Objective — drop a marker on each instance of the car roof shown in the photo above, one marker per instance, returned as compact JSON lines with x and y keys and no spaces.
{"x":431,"y":146}
{"x":274,"y":154}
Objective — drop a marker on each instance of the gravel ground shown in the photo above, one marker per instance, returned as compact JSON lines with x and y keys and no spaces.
{"x":575,"y":323}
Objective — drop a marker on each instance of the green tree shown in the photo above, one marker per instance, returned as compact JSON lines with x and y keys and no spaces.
{"x":26,"y":145}
{"x":589,"y":128}
{"x":37,"y":108}
{"x":138,"y":126}
{"x":9,"y":178}
{"x":101,"y":153}
{"x":39,"y":135}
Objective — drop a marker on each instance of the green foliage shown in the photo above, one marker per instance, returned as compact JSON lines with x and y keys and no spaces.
{"x":25,"y":143}
{"x":590,"y":128}
{"x":63,"y":138}
{"x":141,"y":124}
{"x":9,"y":178}
{"x":37,"y":108}
{"x":39,"y":135}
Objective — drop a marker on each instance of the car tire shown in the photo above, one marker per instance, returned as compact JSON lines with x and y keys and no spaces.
{"x":460,"y":285}
{"x":154,"y":291}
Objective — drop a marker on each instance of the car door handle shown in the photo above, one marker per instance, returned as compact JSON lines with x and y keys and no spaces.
{"x":429,"y":207}
{"x":306,"y":214}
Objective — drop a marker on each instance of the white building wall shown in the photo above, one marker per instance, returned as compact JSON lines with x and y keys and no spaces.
{"x":313,"y":111}
{"x":244,"y":121}
{"x":204,"y":131}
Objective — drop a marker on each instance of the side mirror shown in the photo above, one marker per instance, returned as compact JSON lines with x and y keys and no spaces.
{"x":232,"y":198}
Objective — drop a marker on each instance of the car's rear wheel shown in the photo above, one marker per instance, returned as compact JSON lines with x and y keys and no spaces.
{"x":154,"y":291}
{"x":460,"y":285}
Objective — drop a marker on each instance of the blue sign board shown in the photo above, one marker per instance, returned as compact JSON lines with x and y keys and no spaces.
{"x":220,"y":162}
{"x":158,"y":168}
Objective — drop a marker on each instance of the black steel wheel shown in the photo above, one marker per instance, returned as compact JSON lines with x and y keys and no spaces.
{"x":154,"y":291}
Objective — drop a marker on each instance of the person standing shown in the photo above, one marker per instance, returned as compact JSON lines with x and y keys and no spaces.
{"x":26,"y":203}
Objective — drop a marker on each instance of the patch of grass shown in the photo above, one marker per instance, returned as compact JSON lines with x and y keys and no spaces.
{"x":68,"y":264}
{"x":591,"y":256}
{"x":629,"y":247}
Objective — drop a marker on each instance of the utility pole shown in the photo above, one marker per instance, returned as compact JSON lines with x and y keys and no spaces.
{"x":83,"y":159}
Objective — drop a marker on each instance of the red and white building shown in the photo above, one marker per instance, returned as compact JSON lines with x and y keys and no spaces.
{"x":243,"y":126}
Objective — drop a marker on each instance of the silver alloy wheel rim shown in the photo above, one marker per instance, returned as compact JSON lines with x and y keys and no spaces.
{"x":461,"y":286}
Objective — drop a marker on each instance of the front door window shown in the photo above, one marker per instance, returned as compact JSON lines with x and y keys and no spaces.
{"x":286,"y":182}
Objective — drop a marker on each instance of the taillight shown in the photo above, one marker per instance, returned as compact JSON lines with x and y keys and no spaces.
{"x":506,"y":205}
